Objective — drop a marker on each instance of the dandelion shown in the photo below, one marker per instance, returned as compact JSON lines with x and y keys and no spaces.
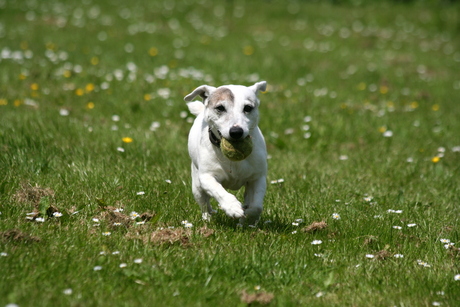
{"x":435,"y":159}
{"x":248,"y":50}
{"x":90,"y":105}
{"x":138,"y":260}
{"x":106,"y":234}
{"x":127,"y":140}
{"x":335,"y":216}
{"x":57,"y":214}
{"x":97,"y":268}
{"x":316,"y":242}
{"x":153,"y":51}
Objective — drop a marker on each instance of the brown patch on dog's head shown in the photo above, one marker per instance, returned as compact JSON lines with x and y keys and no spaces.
{"x":315,"y":226}
{"x":221,"y":94}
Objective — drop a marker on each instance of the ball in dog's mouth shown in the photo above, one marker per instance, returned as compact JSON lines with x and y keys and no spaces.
{"x":236,"y":150}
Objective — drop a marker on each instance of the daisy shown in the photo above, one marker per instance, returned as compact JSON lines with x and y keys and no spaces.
{"x":316,"y":242}
{"x":140,"y":193}
{"x":123,"y":265}
{"x":457,"y":277}
{"x":134,"y":215}
{"x":138,"y":260}
{"x":370,"y":256}
{"x":97,"y":268}
{"x":67,"y":291}
{"x":40,"y":219}
{"x":444,"y":241}
{"x":398,"y":256}
{"x":107,"y":233}
{"x":397,"y":227}
{"x":411,"y":225}
{"x":57,"y":214}
{"x":335,"y":216}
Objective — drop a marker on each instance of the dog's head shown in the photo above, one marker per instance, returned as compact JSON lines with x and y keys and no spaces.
{"x":230,"y":110}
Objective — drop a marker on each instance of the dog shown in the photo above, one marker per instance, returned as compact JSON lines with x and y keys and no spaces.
{"x":231,"y":112}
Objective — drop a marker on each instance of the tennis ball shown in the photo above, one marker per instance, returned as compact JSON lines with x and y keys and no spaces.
{"x":236,"y":150}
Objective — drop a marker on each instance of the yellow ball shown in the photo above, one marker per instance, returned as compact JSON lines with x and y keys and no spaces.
{"x":236,"y":150}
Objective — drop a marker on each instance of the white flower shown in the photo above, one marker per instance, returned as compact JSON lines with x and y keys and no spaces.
{"x":57,"y":214}
{"x":40,"y":219}
{"x":64,"y":112}
{"x":411,"y":225}
{"x":436,"y":304}
{"x":120,"y":149}
{"x":397,"y":227}
{"x":370,"y":256}
{"x":95,"y":220}
{"x":134,"y":215}
{"x":138,"y":260}
{"x":388,"y":134}
{"x":188,"y":225}
{"x":316,"y":242}
{"x":335,"y":216}
{"x":123,"y":265}
{"x":299,"y":221}
{"x":115,"y":118}
{"x":295,"y":224}
{"x":140,"y":223}
{"x":97,"y":268}
{"x":3,"y":254}
{"x":294,"y":232}
{"x":444,"y":240}
{"x":343,"y":157}
{"x":116,"y":224}
{"x":368,"y":198}
{"x":107,"y":233}
{"x":140,"y":193}
{"x":457,"y":277}
{"x":398,"y":256}
{"x":67,"y":291}
{"x":115,"y":253}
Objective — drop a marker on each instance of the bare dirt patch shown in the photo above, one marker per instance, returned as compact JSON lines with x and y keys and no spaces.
{"x":16,"y":236}
{"x":315,"y":226}
{"x":263,"y":298}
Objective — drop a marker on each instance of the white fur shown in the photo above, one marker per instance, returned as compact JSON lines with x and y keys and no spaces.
{"x":212,"y":172}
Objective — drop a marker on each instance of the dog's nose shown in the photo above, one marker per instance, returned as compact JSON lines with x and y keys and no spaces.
{"x":236,"y":132}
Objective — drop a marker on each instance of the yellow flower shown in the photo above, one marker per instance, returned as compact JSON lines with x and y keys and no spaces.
{"x":17,"y":103}
{"x":435,"y":159}
{"x":22,"y":76}
{"x":147,"y":97}
{"x":361,"y":86}
{"x":89,"y":87}
{"x":67,"y":73}
{"x":127,"y":140}
{"x":414,"y":104}
{"x":3,"y":102}
{"x":382,"y":129}
{"x":79,"y":92}
{"x":435,"y":107}
{"x":34,"y":87}
{"x":153,"y":51}
{"x":94,"y":60}
{"x":383,"y":89}
{"x":248,"y":50}
{"x":90,"y":105}
{"x":24,"y":45}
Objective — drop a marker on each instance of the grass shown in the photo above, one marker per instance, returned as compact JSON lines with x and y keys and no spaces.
{"x":360,"y":118}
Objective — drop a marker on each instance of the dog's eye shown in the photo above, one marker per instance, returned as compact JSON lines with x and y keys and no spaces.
{"x":220,"y":109}
{"x":248,"y":108}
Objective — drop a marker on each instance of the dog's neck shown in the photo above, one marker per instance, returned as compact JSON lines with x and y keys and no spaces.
{"x":214,"y":139}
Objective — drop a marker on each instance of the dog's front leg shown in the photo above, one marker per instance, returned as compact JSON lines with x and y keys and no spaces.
{"x":227,"y":201}
{"x":253,"y":200}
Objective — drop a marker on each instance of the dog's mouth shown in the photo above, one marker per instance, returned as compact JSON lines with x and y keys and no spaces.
{"x":215,"y":140}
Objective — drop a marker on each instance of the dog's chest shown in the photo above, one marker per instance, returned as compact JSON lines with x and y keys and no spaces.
{"x":235,"y":175}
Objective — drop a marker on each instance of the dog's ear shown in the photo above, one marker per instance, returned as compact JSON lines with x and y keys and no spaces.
{"x":204,"y":91}
{"x":259,"y":86}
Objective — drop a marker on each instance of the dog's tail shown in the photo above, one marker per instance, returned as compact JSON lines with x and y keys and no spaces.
{"x":195,"y":107}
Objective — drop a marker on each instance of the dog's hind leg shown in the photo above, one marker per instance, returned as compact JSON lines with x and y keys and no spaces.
{"x":253,"y":201}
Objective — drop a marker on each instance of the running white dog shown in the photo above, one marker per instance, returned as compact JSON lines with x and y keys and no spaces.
{"x":229,"y":111}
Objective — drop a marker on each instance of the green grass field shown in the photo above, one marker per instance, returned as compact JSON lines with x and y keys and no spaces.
{"x":361,"y":120}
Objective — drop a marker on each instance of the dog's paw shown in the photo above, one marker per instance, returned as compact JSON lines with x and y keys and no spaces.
{"x":233,"y":209}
